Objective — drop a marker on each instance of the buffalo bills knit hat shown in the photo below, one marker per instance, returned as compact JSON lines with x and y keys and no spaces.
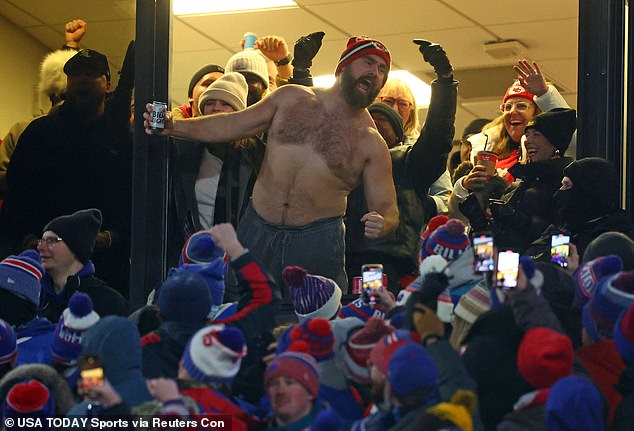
{"x":74,"y":322}
{"x":21,"y":275}
{"x":359,"y":346}
{"x":410,"y":369}
{"x":295,"y":365}
{"x":209,"y":68}
{"x":361,"y":310}
{"x":588,"y":276}
{"x":317,"y":333}
{"x":78,"y":230}
{"x":614,"y":294}
{"x":517,"y":90}
{"x":624,"y":335}
{"x":249,"y":61}
{"x":8,"y":344}
{"x":30,"y":399}
{"x":184,"y":297}
{"x":312,"y":295}
{"x":387,"y":345}
{"x":574,"y":404}
{"x":214,"y":354}
{"x":544,"y":356}
{"x":200,"y":248}
{"x":359,"y":47}
{"x":448,"y":241}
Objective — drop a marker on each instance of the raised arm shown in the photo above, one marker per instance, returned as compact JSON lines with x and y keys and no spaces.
{"x":380,"y":193}
{"x":223,"y":127}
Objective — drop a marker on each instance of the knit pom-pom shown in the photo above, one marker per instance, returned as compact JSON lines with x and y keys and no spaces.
{"x":80,"y":304}
{"x":232,"y":338}
{"x":433,"y":263}
{"x":455,"y":227}
{"x":436,"y":222}
{"x":320,"y":327}
{"x":299,"y":346}
{"x":294,"y":275}
{"x":465,"y":398}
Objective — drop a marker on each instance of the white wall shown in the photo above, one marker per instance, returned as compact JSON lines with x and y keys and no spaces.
{"x":21,"y":55}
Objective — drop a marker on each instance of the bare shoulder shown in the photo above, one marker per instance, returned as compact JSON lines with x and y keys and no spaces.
{"x":293,"y":92}
{"x":375,"y":144}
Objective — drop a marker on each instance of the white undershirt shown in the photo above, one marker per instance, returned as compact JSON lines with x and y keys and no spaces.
{"x":207,"y":187}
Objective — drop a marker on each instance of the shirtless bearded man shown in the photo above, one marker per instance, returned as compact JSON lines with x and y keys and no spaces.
{"x":322,"y":143}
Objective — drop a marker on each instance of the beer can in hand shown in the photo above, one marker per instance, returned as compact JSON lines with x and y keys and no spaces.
{"x":157,"y":123}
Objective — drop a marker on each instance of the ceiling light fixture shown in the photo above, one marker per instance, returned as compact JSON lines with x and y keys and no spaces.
{"x":421,"y":90}
{"x":216,"y":7}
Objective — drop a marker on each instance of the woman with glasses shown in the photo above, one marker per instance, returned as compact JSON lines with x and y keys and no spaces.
{"x":399,"y":96}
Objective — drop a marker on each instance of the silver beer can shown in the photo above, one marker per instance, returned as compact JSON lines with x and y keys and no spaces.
{"x":157,"y":123}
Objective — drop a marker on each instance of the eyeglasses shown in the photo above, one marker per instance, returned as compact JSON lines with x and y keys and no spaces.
{"x":519,"y":106}
{"x":401,"y":103}
{"x":50,"y":241}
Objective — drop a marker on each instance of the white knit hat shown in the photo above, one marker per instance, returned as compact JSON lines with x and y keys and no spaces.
{"x":230,"y":87}
{"x":214,"y":353}
{"x":250,"y":61}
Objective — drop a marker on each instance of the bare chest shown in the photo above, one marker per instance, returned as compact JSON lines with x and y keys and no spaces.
{"x":336,"y":139}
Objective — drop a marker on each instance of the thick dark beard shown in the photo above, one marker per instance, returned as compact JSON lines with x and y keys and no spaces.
{"x":354,"y":97}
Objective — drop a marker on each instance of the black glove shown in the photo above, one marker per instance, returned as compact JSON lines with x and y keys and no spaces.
{"x":505,"y":214}
{"x":471,"y":209}
{"x":306,"y":47}
{"x":435,"y":55}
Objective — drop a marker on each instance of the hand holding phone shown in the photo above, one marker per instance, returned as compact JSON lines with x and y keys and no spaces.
{"x":371,"y":282}
{"x":91,"y":373}
{"x":560,"y":249}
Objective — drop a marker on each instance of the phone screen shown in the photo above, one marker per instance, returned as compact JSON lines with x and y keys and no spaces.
{"x":483,"y":252}
{"x":560,"y":249}
{"x":507,"y":269}
{"x":91,"y":372}
{"x":372,"y":281}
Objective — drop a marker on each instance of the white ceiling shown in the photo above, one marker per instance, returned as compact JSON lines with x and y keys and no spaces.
{"x":547,"y":28}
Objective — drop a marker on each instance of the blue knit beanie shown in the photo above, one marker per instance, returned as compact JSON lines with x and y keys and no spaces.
{"x":200,"y":248}
{"x":614,"y":294}
{"x":74,"y":322}
{"x":448,"y":241}
{"x":574,"y":404}
{"x":21,"y":275}
{"x":410,"y":369}
{"x":184,"y":297}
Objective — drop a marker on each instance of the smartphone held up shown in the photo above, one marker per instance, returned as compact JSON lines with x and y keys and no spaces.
{"x":371,"y":282}
{"x":560,"y":249}
{"x":506,"y":269}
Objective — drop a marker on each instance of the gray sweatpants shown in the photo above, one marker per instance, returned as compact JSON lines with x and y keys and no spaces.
{"x":317,"y":247}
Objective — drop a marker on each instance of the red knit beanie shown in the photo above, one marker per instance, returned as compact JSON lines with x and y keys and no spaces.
{"x":361,"y":46}
{"x":544,"y":356}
